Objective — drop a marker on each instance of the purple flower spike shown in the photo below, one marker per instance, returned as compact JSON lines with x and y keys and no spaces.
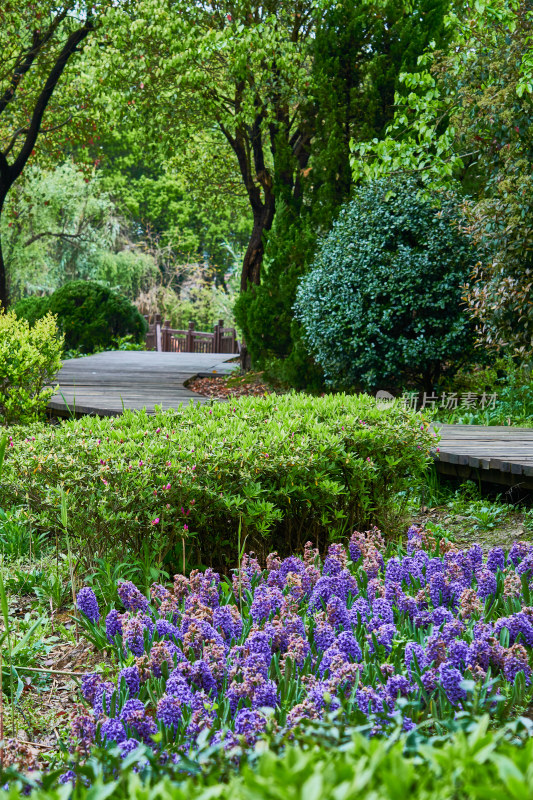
{"x":89,"y":684}
{"x":486,"y":583}
{"x":88,"y":604}
{"x":112,"y":730}
{"x":170,"y":710}
{"x":132,"y":598}
{"x":132,"y":678}
{"x":451,"y":679}
{"x":113,"y":625}
{"x":249,"y":723}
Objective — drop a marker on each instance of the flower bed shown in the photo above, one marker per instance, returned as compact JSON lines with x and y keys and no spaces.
{"x":369,"y":635}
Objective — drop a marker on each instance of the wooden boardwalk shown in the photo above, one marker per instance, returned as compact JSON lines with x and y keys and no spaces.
{"x":106,"y":383}
{"x":497,"y":454}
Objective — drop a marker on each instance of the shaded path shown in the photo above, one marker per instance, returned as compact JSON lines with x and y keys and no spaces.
{"x":106,"y":383}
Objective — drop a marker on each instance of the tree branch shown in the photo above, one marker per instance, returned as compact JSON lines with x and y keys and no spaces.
{"x":77,"y":237}
{"x":25,"y":60}
{"x":69,"y":48}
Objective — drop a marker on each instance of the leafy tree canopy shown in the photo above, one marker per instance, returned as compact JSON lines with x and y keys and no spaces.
{"x":37,"y":44}
{"x":467,"y":120}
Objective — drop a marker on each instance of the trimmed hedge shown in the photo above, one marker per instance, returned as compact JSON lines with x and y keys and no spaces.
{"x":381,"y":305}
{"x":284,"y":469}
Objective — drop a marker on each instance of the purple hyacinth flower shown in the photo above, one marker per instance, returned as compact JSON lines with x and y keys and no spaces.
{"x":106,"y":690}
{"x":249,"y":723}
{"x":83,"y":728}
{"x":265,"y":695}
{"x":134,"y":715}
{"x":178,"y":687}
{"x":112,"y":730}
{"x":486,"y":583}
{"x":496,"y":559}
{"x":89,"y":684}
{"x":88,"y":604}
{"x":128,"y":746}
{"x":132,"y":679}
{"x":170,"y":710}
{"x":451,"y":678}
{"x":458,"y":653}
{"x":348,"y":644}
{"x":415,"y":654}
{"x":131,"y":597}
{"x":113,"y":625}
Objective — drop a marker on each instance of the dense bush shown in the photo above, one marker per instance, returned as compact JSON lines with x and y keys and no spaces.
{"x":31,"y":308}
{"x":91,"y":316}
{"x":29,"y":360}
{"x":382,"y":304}
{"x":283,"y":468}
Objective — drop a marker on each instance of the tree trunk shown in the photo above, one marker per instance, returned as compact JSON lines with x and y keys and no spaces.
{"x":253,"y":258}
{"x":4,"y":295}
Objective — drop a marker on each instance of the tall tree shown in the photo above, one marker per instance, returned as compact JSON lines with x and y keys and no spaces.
{"x":37,"y":40}
{"x":242,"y":67}
{"x":357,"y":55}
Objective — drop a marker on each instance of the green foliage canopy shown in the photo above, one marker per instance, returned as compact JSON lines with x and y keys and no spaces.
{"x":467,"y":117}
{"x":37,"y":41}
{"x":357,"y":55}
{"x":29,"y":360}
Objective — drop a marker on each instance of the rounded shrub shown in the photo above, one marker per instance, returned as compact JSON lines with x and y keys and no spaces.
{"x":381,"y":306}
{"x":31,"y":308}
{"x":91,"y":316}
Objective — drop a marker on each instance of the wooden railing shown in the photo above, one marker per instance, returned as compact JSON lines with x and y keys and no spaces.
{"x":164,"y":339}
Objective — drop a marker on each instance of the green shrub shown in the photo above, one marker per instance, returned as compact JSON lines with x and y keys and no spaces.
{"x":29,"y":360}
{"x":513,"y":387}
{"x":285,"y":469}
{"x":91,"y":316}
{"x":381,"y":305}
{"x":31,"y":308}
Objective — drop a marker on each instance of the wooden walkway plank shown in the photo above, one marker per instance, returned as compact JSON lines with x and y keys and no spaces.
{"x":499,"y":454}
{"x":106,"y":383}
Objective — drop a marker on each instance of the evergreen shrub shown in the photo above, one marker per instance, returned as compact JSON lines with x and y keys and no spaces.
{"x":90,"y":315}
{"x":31,"y":308}
{"x":381,"y":305}
{"x":283,"y":469}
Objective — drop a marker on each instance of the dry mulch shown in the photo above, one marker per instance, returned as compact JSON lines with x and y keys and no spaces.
{"x":50,"y":700}
{"x":464,"y":532}
{"x":224,"y":388}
